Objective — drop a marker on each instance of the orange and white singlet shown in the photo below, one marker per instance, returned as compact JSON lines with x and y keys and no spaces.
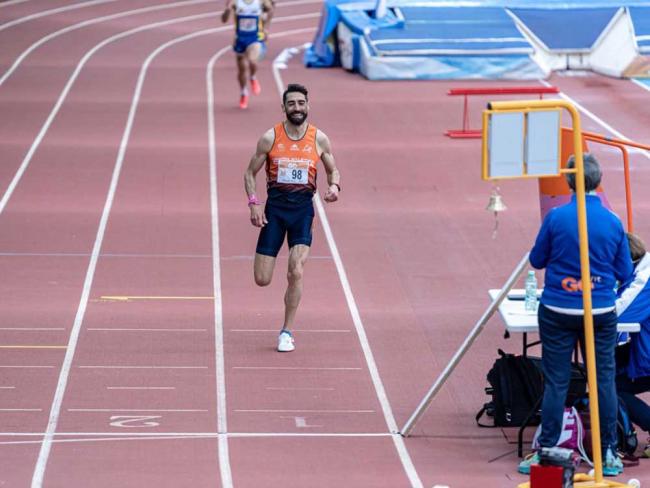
{"x":291,"y":164}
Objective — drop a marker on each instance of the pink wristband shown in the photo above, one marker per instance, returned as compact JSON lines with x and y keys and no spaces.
{"x":252,"y":200}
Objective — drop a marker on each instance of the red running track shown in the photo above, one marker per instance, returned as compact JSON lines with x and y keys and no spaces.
{"x":110,"y":189}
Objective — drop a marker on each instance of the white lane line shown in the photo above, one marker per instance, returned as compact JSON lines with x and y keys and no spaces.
{"x":295,"y":368}
{"x":37,"y":141}
{"x":279,"y":258}
{"x":118,"y":15}
{"x":140,"y":387}
{"x":642,"y":85}
{"x":594,"y":117}
{"x":275,"y":331}
{"x":110,"y":437}
{"x":199,"y":434}
{"x":45,"y":13}
{"x":21,"y":409}
{"x":25,"y":366}
{"x":398,"y":440}
{"x":45,"y":254}
{"x":12,"y":2}
{"x":165,"y":256}
{"x":225,"y":470}
{"x":7,"y":387}
{"x":39,"y":469}
{"x":262,"y":410}
{"x":222,"y":424}
{"x":66,"y":90}
{"x":140,"y":256}
{"x":174,"y":410}
{"x":86,"y":23}
{"x":141,"y":367}
{"x":39,"y":329}
{"x":135,"y":329}
{"x":108,"y":255}
{"x":132,"y":437}
{"x":292,"y":388}
{"x":21,"y":170}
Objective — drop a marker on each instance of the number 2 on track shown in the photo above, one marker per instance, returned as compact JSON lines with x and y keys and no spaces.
{"x":134,"y":421}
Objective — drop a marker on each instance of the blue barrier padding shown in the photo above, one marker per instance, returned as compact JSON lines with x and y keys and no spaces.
{"x":571,"y":29}
{"x":358,"y":21}
{"x":452,"y":67}
{"x":641,"y":22}
{"x":453,"y":34}
{"x":323,"y":50}
{"x":480,"y":15}
{"x":430,"y":48}
{"x":591,"y":16}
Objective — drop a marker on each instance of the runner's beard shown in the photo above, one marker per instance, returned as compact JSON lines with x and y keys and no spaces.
{"x":297,"y":118}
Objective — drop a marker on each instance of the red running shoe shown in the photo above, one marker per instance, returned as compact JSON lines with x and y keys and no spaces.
{"x":256,"y":87}
{"x":243,"y":102}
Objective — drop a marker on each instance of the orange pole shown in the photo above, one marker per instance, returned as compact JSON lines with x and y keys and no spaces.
{"x":626,"y":171}
{"x":625,"y":142}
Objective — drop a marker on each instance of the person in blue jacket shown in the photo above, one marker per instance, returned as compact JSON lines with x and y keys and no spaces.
{"x":633,"y":305}
{"x":560,"y":314}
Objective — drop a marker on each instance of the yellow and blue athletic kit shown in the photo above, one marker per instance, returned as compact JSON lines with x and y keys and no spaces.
{"x":249,"y":26}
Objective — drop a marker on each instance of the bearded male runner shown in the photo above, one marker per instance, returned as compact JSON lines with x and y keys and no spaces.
{"x":290,"y":151}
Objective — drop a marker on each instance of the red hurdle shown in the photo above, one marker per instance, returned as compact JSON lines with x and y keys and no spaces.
{"x":466,"y":132}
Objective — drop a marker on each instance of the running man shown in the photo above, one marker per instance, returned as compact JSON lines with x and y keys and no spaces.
{"x":252,"y":18}
{"x":290,"y":151}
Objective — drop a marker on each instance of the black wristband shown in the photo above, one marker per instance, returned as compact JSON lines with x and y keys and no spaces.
{"x":337,"y":186}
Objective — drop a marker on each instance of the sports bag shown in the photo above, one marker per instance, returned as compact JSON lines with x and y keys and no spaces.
{"x":516,"y":385}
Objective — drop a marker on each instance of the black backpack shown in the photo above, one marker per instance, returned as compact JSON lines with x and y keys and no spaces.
{"x":516,"y":386}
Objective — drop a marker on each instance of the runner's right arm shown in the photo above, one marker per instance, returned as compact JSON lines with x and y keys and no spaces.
{"x":264,"y":145}
{"x":230,"y":6}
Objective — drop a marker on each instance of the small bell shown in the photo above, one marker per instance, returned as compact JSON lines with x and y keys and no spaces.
{"x":496,"y":205}
{"x":496,"y":202}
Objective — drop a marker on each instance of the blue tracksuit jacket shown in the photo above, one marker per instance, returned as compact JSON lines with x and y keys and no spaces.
{"x":557,"y":249}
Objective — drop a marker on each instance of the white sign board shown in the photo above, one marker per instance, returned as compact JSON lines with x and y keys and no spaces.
{"x":522,"y":143}
{"x":543,"y":142}
{"x":506,"y":145}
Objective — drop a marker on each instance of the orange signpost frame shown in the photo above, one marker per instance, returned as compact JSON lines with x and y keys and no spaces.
{"x":554,"y":192}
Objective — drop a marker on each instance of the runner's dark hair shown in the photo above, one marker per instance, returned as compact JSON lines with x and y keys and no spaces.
{"x":294,"y":87}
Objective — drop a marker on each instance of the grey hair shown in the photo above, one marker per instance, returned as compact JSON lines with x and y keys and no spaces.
{"x":593,"y":174}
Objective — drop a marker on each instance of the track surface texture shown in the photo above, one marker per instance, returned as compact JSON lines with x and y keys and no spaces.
{"x":135,"y":349}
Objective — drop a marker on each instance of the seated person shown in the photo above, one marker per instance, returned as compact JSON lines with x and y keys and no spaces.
{"x":633,"y":305}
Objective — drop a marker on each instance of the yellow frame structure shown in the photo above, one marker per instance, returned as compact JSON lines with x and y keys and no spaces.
{"x":582,"y":481}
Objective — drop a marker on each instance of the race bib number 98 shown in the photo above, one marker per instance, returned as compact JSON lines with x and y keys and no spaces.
{"x":293,"y":171}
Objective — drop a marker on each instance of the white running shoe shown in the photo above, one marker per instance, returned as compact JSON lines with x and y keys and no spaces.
{"x":285,"y":342}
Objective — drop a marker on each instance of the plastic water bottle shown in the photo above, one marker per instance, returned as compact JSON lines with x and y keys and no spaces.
{"x":530,"y":300}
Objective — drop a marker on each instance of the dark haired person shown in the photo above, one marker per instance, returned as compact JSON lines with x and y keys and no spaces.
{"x":633,"y":305}
{"x":252,"y":18}
{"x":561,"y":316}
{"x":290,"y":152}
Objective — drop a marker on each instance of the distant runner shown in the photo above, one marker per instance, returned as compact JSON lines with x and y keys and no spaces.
{"x":252,"y":18}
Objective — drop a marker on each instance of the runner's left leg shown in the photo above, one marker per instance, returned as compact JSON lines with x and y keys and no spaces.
{"x":253,"y":54}
{"x":297,"y":257}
